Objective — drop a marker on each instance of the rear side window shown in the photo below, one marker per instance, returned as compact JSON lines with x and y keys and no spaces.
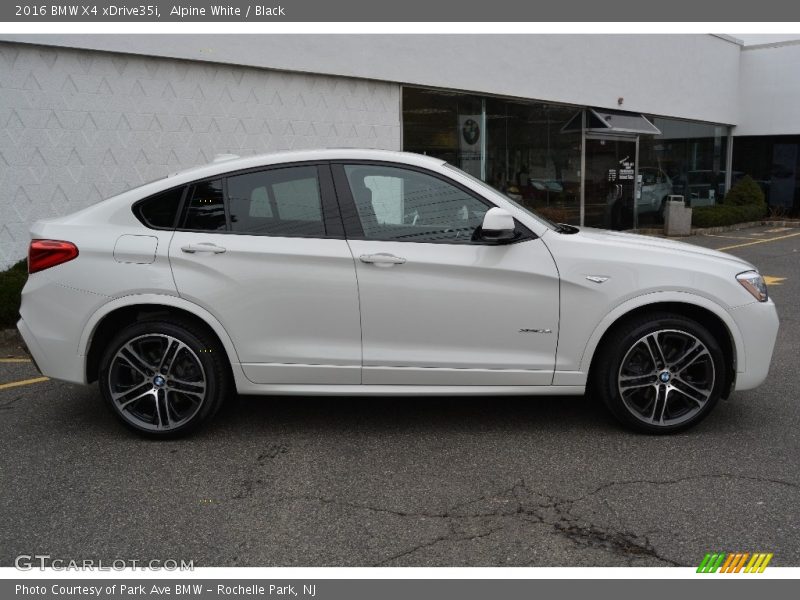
{"x":280,"y":202}
{"x":161,"y":210}
{"x":206,"y":207}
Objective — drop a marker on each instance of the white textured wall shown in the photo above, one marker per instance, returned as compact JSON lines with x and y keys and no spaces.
{"x":77,"y":126}
{"x":688,"y":76}
{"x":770,"y":90}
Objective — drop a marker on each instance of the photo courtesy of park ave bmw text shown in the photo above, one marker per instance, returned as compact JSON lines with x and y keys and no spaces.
{"x":279,"y":291}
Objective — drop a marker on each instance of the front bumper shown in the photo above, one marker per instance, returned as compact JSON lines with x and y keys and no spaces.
{"x":758,"y":325}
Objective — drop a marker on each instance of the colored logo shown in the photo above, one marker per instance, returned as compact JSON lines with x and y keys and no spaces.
{"x":734,"y":562}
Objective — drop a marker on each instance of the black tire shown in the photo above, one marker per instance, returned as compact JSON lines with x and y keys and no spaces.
{"x":171,"y":402}
{"x":681,"y":393}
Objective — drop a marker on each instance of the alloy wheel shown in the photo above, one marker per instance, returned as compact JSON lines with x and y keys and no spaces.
{"x":666,"y":378}
{"x":157,"y":382}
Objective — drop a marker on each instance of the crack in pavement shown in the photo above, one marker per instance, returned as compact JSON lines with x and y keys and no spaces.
{"x":619,"y":542}
{"x":453,"y":536}
{"x":521,"y":503}
{"x":524,"y":504}
{"x":8,"y":403}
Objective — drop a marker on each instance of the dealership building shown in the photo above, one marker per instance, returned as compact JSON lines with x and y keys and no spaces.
{"x":596,"y":130}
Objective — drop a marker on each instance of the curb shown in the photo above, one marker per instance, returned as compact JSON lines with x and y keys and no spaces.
{"x":724,"y":228}
{"x":748,"y":225}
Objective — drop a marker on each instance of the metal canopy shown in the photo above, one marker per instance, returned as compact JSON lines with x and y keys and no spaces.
{"x":611,"y":121}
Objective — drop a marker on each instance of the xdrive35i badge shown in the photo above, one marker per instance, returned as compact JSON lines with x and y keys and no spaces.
{"x":526,"y":330}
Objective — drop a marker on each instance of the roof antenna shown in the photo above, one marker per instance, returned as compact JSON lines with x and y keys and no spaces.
{"x":223,"y":157}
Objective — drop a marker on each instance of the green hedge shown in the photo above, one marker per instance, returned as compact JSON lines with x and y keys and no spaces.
{"x":743,"y":202}
{"x":11,"y":282}
{"x":723,"y":214}
{"x":745,"y":193}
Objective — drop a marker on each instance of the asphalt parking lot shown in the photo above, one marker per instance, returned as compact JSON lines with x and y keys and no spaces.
{"x":413,"y":482}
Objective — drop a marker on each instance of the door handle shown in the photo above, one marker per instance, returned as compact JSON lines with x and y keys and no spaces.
{"x":381,"y":259}
{"x":203,"y":247}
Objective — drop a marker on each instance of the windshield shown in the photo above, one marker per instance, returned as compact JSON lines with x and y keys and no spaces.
{"x":485,"y":185}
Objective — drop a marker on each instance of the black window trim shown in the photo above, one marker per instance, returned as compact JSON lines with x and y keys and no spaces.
{"x":352,"y":221}
{"x":339,"y":213}
{"x":331,"y":217}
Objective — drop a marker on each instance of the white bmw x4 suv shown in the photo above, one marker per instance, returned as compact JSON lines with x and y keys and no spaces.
{"x":343,"y":272}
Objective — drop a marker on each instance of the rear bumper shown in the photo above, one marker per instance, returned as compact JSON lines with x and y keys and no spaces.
{"x":26,"y":346}
{"x":758,"y":324}
{"x":51,"y":358}
{"x":53,"y":318}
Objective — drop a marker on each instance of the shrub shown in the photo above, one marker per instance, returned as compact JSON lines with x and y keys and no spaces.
{"x":745,"y":193}
{"x":723,"y":214}
{"x":11,"y":282}
{"x":743,"y":202}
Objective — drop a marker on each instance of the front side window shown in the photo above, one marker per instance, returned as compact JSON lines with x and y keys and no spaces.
{"x":206,"y":210}
{"x":280,"y":202}
{"x":404,"y":205}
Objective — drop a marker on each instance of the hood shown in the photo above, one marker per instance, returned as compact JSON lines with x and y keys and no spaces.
{"x":636,"y":241}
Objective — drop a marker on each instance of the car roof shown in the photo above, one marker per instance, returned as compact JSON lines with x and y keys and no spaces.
{"x":223,"y":164}
{"x":117,"y":208}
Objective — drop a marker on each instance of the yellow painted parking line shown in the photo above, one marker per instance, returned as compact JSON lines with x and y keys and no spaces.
{"x":770,"y":280}
{"x":12,"y":384}
{"x":14,"y":360}
{"x":753,"y":243}
{"x":727,"y":237}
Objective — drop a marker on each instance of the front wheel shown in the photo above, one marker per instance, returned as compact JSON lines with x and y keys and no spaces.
{"x":163,"y":379}
{"x":660,"y":373}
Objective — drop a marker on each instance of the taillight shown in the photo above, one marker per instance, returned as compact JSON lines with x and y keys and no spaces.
{"x":43,"y":254}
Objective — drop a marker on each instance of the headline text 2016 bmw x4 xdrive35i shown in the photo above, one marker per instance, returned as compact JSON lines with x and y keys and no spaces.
{"x":371,"y":272}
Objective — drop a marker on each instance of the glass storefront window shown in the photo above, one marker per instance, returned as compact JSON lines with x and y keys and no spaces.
{"x":515,"y":146}
{"x":531,"y":160}
{"x":532,"y":152}
{"x":686,"y":159}
{"x":433,"y":121}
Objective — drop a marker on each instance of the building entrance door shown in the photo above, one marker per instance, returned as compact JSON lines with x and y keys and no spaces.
{"x":610,"y":182}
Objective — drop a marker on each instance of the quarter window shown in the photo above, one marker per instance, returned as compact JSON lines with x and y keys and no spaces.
{"x":279,"y":202}
{"x":160,"y":211}
{"x":403,"y":205}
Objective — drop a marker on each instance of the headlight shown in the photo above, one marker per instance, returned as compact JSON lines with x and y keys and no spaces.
{"x":753,"y":283}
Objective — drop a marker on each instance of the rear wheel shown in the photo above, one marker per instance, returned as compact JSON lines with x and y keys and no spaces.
{"x":163,"y":379}
{"x":660,"y":373}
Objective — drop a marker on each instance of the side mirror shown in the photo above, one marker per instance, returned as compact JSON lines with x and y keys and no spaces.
{"x":497,"y":226}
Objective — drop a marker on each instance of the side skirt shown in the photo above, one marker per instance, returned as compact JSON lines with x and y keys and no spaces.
{"x":410,"y":390}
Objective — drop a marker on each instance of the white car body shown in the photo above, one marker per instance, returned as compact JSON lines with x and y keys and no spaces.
{"x":302,"y":315}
